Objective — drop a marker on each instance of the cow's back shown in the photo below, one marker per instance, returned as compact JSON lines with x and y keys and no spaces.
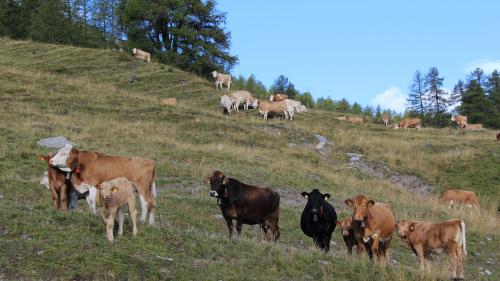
{"x":436,"y":234}
{"x":380,"y":218}
{"x":255,"y":204}
{"x":460,"y":196}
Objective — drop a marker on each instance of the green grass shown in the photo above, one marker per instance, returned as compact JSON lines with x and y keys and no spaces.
{"x":84,"y":95}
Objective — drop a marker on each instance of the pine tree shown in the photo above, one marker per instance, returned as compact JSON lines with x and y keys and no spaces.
{"x":417,"y":99}
{"x":474,"y":103}
{"x":436,"y":96}
{"x":494,"y":97}
{"x":378,"y":112}
{"x":356,"y":108}
{"x":456,"y":95}
{"x":49,"y":24}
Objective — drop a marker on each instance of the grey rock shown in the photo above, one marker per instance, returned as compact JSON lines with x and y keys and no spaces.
{"x":292,"y":145}
{"x":487,"y":272}
{"x":322,"y":141}
{"x":57,"y":142}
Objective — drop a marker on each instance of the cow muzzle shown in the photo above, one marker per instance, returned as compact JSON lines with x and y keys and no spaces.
{"x":213,"y":193}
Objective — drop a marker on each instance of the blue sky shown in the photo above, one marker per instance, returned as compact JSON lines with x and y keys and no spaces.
{"x":364,"y":51}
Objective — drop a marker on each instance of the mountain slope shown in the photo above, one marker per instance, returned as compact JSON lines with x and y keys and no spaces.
{"x":85,"y":95}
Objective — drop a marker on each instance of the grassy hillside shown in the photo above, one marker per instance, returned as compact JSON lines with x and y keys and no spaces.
{"x":84,"y":95}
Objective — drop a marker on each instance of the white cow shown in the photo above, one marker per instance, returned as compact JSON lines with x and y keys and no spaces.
{"x":221,"y":79}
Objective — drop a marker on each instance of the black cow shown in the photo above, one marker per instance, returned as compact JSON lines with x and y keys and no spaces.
{"x":318,"y":219}
{"x":246,"y":204}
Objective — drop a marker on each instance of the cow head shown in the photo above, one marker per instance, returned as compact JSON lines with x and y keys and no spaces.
{"x":105,"y":191}
{"x":134,"y":51}
{"x":218,"y":184}
{"x":60,"y":158}
{"x":72,"y":160}
{"x":404,"y":228}
{"x":360,"y":204}
{"x":214,"y":74}
{"x":45,"y":180}
{"x":345,"y":225}
{"x":315,"y":203}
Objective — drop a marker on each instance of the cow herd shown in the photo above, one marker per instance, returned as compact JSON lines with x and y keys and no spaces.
{"x":110,"y":183}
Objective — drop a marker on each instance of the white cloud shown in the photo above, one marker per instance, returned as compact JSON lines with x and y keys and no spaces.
{"x":487,"y":65}
{"x":392,"y":98}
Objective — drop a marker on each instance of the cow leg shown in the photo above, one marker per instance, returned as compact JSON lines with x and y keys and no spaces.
{"x":109,"y":225}
{"x":55,"y":198}
{"x":133,"y":215}
{"x":239,"y":226}
{"x":421,"y":257}
{"x":151,"y":209}
{"x":63,"y":196}
{"x":375,"y":247}
{"x":388,"y":250}
{"x":121,"y":218}
{"x":230,"y":227}
{"x":326,"y":242}
{"x":275,"y":230}
{"x":454,"y":263}
{"x":144,"y":208}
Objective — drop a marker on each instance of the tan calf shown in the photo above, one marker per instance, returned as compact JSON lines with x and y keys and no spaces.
{"x":374,"y":224}
{"x":57,"y":184}
{"x":140,"y":54}
{"x":457,"y":196}
{"x":112,"y":196}
{"x":355,"y":119}
{"x":385,"y":119}
{"x":425,"y":238}
{"x":473,"y":127}
{"x":266,"y":107}
{"x":407,"y":123}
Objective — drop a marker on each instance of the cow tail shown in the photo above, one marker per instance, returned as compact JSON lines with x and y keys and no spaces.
{"x":462,"y":226}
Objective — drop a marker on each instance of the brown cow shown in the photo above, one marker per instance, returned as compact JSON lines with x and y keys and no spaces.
{"x":409,"y":123}
{"x":90,"y":168}
{"x":473,"y":127}
{"x":457,"y":196}
{"x":246,"y":204}
{"x":498,"y":136}
{"x":425,"y":238}
{"x":385,"y":119}
{"x":374,"y":224}
{"x":460,"y":120}
{"x":111,"y":198}
{"x":355,"y":119}
{"x":348,"y":234}
{"x":278,"y":97}
{"x":57,"y":184}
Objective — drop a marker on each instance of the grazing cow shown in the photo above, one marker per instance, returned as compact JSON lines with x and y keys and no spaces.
{"x":89,"y":168}
{"x":474,"y":127}
{"x":457,"y":196}
{"x":498,"y":136}
{"x":244,"y":97}
{"x":278,"y":97}
{"x":226,"y":104}
{"x":460,"y":120}
{"x":355,"y":119}
{"x":373,"y":224}
{"x":246,"y":204}
{"x":221,"y":79}
{"x":140,"y":54}
{"x":57,"y":184}
{"x":112,"y":196}
{"x":385,"y":119}
{"x":318,"y":219}
{"x":265,"y":107}
{"x":425,"y":238}
{"x":341,"y":118}
{"x":407,"y":123}
{"x":294,"y":106}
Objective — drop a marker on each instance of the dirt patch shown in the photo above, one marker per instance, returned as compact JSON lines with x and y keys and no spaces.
{"x":381,"y":171}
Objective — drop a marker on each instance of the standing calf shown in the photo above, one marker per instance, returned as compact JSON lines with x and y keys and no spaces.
{"x":56,"y":182}
{"x":221,"y":79}
{"x":112,"y":196}
{"x":425,"y":238}
{"x":318,"y":219}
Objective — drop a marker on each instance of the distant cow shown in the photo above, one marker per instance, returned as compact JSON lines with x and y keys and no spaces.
{"x":226,"y":103}
{"x":355,"y":119}
{"x":112,"y":196}
{"x":221,"y":80}
{"x":473,"y":127}
{"x":245,"y":98}
{"x":341,"y":118}
{"x":278,"y":97}
{"x":294,"y":106}
{"x":246,"y":204}
{"x":318,"y":219}
{"x":425,"y":238}
{"x":407,"y":123}
{"x":460,"y":120}
{"x":89,"y":168}
{"x":385,"y":119}
{"x":266,"y":107}
{"x":140,"y":54}
{"x":498,"y":136}
{"x":373,"y":224}
{"x":457,"y":196}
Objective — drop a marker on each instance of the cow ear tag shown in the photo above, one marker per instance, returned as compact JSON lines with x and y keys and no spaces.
{"x":114,"y":189}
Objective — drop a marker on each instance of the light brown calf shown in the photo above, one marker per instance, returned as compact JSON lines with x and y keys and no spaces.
{"x":385,"y":119}
{"x":355,"y":119}
{"x":57,"y":184}
{"x":407,"y":123}
{"x":425,"y":238}
{"x":473,"y":127}
{"x":457,"y":196}
{"x":112,"y":196}
{"x":460,"y":120}
{"x":266,"y":107}
{"x":140,"y":54}
{"x":374,"y":224}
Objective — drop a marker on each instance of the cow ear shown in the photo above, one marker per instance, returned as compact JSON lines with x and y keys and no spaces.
{"x":326,"y":196}
{"x":304,"y":194}
{"x":371,"y":203}
{"x":412,"y":226}
{"x":349,"y":202}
